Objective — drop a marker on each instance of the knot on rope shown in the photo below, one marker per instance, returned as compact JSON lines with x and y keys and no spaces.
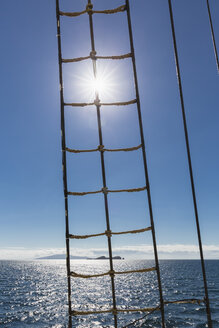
{"x":114,"y":311}
{"x":111,"y":273}
{"x":89,"y":8}
{"x":108,"y":233}
{"x":97,"y":102}
{"x":105,"y":190}
{"x":100,"y":147}
{"x":93,"y":55}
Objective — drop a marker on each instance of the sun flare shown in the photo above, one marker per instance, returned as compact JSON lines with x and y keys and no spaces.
{"x":104,"y":84}
{"x":98,"y":85}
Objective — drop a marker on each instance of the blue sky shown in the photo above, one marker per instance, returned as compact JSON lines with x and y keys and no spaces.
{"x":31,"y":194}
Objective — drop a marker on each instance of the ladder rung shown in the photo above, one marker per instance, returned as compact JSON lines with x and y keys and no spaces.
{"x":109,"y":273}
{"x":124,"y":103}
{"x":73,"y":313}
{"x":186,"y":301}
{"x":89,"y":10}
{"x":115,"y":311}
{"x":78,"y":59}
{"x":108,"y":233}
{"x":101,"y":148}
{"x":104,"y":191}
{"x":149,"y":309}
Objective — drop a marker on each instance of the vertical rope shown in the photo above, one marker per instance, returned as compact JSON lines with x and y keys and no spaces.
{"x":213,"y":36}
{"x":64,"y":163}
{"x":190,"y":165}
{"x":97,"y":100}
{"x":145,"y":165}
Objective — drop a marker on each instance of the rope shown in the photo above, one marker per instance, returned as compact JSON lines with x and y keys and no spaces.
{"x":132,"y":231}
{"x":110,"y":11}
{"x":100,"y":148}
{"x":79,"y":104}
{"x":114,"y":311}
{"x":84,"y":193}
{"x":213,"y":36}
{"x":105,"y":191}
{"x":73,"y":60}
{"x":74,"y":14}
{"x":89,"y":312}
{"x":108,"y":233}
{"x":163,"y":325}
{"x":110,"y":273}
{"x":64,"y":159}
{"x":86,"y":236}
{"x":186,"y":301}
{"x":193,"y":301}
{"x":148,"y":309}
{"x":115,"y":57}
{"x":89,"y":10}
{"x":208,"y":311}
{"x":97,"y":103}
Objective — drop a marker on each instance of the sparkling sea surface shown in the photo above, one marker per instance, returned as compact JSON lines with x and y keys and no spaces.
{"x":34,"y":293}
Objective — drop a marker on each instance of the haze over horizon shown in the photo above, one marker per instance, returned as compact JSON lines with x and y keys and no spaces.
{"x":128,"y":252}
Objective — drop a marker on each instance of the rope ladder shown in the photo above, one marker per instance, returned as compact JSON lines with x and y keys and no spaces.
{"x":93,"y":56}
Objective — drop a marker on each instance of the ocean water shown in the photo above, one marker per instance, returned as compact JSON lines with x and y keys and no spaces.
{"x":34,"y":294}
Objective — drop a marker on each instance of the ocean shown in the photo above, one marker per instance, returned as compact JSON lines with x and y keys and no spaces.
{"x":34,"y":293}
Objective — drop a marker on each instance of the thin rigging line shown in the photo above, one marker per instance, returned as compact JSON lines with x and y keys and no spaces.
{"x":213,"y":36}
{"x":64,"y":163}
{"x":190,"y":164}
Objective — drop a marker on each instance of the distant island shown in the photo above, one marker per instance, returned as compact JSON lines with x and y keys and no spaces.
{"x":63,"y":256}
{"x":107,"y":258}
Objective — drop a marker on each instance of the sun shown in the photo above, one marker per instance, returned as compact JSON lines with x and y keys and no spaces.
{"x":103,"y":84}
{"x":98,"y":85}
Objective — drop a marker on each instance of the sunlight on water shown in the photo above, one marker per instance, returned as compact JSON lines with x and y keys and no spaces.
{"x":34,"y":294}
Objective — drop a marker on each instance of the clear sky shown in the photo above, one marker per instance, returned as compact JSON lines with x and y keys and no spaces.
{"x":31,"y":193}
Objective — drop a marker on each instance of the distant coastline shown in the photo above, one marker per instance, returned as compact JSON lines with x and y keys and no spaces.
{"x":63,"y":256}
